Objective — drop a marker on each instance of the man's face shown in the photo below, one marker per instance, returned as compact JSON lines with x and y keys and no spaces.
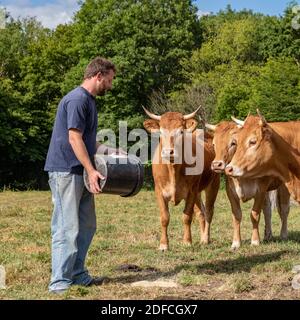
{"x":104,"y":82}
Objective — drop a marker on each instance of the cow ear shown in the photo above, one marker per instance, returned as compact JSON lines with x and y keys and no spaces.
{"x":151,"y":125}
{"x":266,"y":132}
{"x":191,"y":124}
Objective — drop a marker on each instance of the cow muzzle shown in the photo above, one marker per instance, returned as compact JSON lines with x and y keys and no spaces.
{"x":169,"y":154}
{"x":218,"y":166}
{"x":233,"y":171}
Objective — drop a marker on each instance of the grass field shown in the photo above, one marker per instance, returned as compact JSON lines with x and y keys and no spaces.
{"x":128,"y":233}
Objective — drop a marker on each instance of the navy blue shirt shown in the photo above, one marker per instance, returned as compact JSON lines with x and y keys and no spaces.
{"x":76,"y":110}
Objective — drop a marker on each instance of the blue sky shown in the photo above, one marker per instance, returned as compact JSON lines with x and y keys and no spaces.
{"x":53,"y":12}
{"x":270,"y":7}
{"x":49,"y":12}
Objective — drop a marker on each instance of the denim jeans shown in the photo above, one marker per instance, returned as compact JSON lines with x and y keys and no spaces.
{"x":73,"y":227}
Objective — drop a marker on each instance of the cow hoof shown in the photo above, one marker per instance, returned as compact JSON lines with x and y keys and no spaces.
{"x":204,"y":241}
{"x":163,"y":247}
{"x":254,"y":242}
{"x":235,"y":245}
{"x":283,"y":237}
{"x":268,"y":237}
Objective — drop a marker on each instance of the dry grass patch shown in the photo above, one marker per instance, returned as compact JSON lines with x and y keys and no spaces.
{"x":128,"y":232}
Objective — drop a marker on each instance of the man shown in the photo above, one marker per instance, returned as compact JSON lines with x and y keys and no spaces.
{"x":72,"y":146}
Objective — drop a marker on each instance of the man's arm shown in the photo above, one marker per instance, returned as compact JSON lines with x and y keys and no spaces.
{"x":79,"y":148}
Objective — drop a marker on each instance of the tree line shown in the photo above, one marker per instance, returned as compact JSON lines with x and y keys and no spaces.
{"x":232,"y":62}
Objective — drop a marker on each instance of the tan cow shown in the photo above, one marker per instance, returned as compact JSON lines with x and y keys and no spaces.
{"x":172,"y":183}
{"x":244,"y":189}
{"x":268,"y":149}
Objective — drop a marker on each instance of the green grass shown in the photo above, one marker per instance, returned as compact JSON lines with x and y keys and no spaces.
{"x":128,"y":233}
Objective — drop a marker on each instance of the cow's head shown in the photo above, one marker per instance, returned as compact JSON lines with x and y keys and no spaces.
{"x":171,"y":126}
{"x":224,"y":143}
{"x":254,"y":148}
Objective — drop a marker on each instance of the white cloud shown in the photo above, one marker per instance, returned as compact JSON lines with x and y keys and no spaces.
{"x":203,"y":13}
{"x":49,"y":14}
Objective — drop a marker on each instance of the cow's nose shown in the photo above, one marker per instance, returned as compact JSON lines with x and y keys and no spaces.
{"x":218,"y":165}
{"x":229,"y":170}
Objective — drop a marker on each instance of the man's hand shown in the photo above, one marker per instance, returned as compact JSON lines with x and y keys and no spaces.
{"x":79,"y":148}
{"x":94,"y":177}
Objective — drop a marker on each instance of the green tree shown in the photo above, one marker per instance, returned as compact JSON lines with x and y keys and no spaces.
{"x":145,"y":39}
{"x":235,"y":41}
{"x":33,"y":63}
{"x":278,"y":37}
{"x":276,"y":92}
{"x":248,"y":60}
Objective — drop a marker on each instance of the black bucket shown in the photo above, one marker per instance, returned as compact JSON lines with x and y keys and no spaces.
{"x":124,"y":174}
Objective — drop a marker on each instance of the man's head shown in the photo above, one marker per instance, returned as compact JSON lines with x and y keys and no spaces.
{"x":99,"y":75}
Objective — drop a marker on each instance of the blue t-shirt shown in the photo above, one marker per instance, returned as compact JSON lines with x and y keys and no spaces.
{"x":76,"y":110}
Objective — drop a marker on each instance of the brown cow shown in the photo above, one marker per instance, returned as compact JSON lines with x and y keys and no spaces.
{"x":172,"y":183}
{"x":268,"y":149}
{"x":244,"y":189}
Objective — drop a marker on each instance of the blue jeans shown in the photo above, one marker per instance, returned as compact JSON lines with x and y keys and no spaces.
{"x":73,"y":227}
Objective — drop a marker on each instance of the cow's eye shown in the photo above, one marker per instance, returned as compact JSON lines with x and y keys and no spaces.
{"x":252,"y":142}
{"x":178,"y":133}
{"x":233,"y":144}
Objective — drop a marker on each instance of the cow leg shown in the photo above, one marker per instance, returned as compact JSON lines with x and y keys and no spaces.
{"x":164,"y":220}
{"x":255,"y":217}
{"x":283,"y":205}
{"x":199,"y":211}
{"x":267,"y":210}
{"x":188,"y":217}
{"x":210,"y":197}
{"x":236,"y":213}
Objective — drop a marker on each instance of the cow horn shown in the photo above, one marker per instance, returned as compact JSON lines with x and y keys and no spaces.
{"x":237,"y":121}
{"x":191,"y":115}
{"x":262,"y":118}
{"x":151,"y":115}
{"x":211,"y":127}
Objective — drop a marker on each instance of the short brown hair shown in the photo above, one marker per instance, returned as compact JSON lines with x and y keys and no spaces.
{"x":98,"y":65}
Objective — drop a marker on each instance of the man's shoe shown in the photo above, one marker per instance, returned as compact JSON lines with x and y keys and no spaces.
{"x":98,"y":281}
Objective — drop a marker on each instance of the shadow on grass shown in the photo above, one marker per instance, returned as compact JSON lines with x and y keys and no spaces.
{"x":229,"y":266}
{"x":293,"y":236}
{"x":240,"y":264}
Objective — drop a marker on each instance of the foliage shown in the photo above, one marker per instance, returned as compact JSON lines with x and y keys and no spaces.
{"x":33,"y":63}
{"x":276,"y":92}
{"x":248,"y":60}
{"x":156,"y":35}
